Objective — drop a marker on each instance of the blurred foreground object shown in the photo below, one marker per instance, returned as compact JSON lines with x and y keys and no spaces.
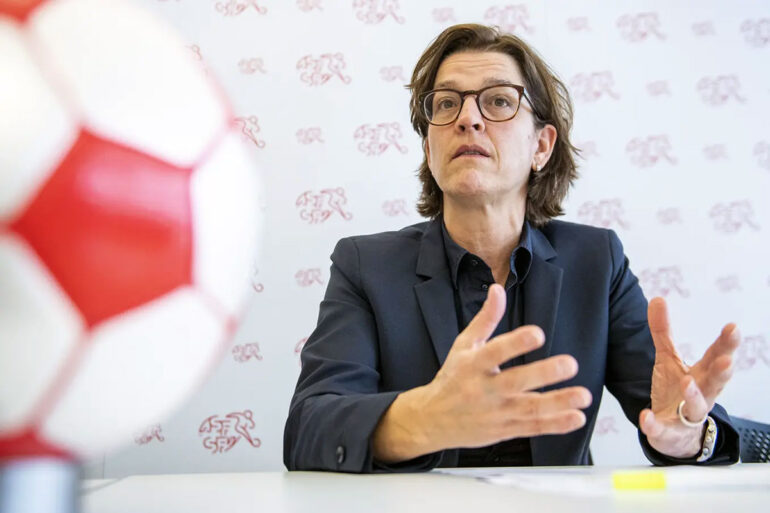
{"x":128,"y":225}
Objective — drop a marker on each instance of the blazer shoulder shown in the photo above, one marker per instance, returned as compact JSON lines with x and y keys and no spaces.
{"x":384,"y":248}
{"x":557,"y":229}
{"x":574,"y":239}
{"x":396,"y":240}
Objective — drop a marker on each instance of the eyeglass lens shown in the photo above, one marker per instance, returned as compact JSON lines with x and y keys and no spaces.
{"x":498,"y":103}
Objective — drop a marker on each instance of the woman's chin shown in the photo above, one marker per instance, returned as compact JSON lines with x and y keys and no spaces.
{"x":469,"y":196}
{"x":469,"y":184}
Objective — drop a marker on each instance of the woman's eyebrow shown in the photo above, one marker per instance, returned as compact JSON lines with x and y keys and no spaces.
{"x":451,"y":84}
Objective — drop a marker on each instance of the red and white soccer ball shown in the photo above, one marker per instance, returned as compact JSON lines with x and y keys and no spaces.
{"x":129,"y":222}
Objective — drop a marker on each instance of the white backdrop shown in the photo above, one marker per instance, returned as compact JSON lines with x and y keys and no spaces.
{"x":671,"y":102}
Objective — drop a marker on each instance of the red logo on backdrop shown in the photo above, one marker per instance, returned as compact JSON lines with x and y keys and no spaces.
{"x":375,"y":11}
{"x":444,"y":15}
{"x":589,"y":87}
{"x":221,"y":433}
{"x":715,"y":152}
{"x":395,"y":208}
{"x":728,"y":283}
{"x":392,"y":73}
{"x":718,"y":90}
{"x":255,"y":283}
{"x":245,"y":352}
{"x":578,"y":24}
{"x":309,"y":135}
{"x":510,"y":18}
{"x":753,"y":349}
{"x":309,"y":5}
{"x":151,"y":433}
{"x":316,"y":71}
{"x":605,"y":426}
{"x":731,"y":217}
{"x":249,"y":129}
{"x":198,"y":56}
{"x":298,"y":348}
{"x":756,"y":32}
{"x":669,"y":216}
{"x":318,"y":207}
{"x":703,"y":28}
{"x":251,"y":66}
{"x":236,"y":7}
{"x":658,"y":88}
{"x":638,"y":27}
{"x":605,"y":213}
{"x":196,"y":51}
{"x":662,"y":281}
{"x":646,"y":152}
{"x":762,"y":153}
{"x":378,"y":138}
{"x":307,"y":277}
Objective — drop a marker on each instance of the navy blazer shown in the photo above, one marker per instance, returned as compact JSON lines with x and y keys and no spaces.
{"x":388,"y":320}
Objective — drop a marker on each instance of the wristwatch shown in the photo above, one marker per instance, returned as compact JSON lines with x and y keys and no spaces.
{"x":709,"y":441}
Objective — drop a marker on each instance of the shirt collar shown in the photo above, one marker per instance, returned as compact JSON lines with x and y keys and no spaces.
{"x":521,"y":256}
{"x":454,"y":253}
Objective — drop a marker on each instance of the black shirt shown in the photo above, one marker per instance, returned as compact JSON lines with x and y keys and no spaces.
{"x":471,"y":278}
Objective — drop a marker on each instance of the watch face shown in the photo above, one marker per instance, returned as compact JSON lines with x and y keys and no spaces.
{"x":709,"y":440}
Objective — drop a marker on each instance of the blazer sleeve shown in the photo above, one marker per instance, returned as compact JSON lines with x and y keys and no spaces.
{"x":337,"y":403}
{"x":631,"y":356}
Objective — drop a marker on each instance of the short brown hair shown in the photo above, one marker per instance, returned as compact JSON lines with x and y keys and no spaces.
{"x":551,"y":103}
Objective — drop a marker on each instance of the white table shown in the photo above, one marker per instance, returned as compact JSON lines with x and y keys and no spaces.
{"x":459,"y":491}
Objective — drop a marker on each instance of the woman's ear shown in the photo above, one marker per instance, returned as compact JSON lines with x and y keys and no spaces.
{"x":546,"y":140}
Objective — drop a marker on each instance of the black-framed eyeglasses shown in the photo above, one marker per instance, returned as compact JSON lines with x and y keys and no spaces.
{"x":499,"y":102}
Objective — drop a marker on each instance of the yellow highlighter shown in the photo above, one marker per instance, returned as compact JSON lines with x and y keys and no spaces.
{"x":639,"y":480}
{"x":689,"y":478}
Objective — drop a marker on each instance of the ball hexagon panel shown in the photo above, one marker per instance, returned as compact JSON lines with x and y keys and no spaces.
{"x":135,"y":367}
{"x":19,"y":9}
{"x":82,"y":38}
{"x":36,"y":131}
{"x":225,"y":216}
{"x":113,"y":225}
{"x":40,"y":327}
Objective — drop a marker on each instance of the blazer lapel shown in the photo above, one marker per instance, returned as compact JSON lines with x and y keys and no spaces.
{"x":435,"y":295}
{"x":542,"y":289}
